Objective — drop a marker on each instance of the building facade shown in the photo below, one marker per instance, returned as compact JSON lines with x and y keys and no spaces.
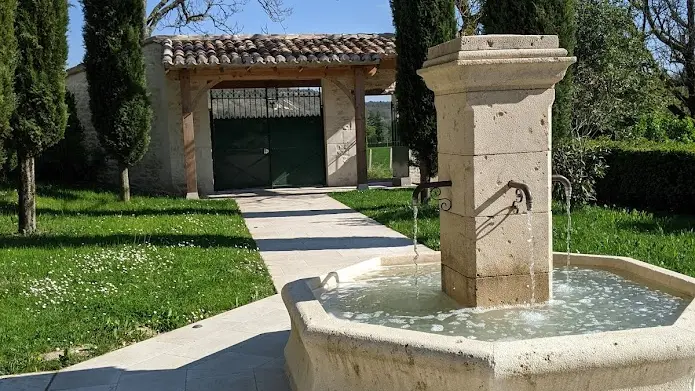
{"x":253,"y":111}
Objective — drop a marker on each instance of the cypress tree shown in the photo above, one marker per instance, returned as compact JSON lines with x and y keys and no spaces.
{"x":556,"y":17}
{"x":419,"y":25}
{"x":115,"y":66}
{"x":8,"y":48}
{"x":39,"y":119}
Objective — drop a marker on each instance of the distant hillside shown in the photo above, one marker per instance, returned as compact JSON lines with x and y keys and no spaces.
{"x":384,"y":108}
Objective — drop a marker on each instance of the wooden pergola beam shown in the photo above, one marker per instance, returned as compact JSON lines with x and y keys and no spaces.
{"x":266,"y":84}
{"x":276,"y":73}
{"x":188,"y":131}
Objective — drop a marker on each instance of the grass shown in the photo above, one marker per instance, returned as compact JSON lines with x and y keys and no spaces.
{"x":381,"y":163}
{"x":667,"y":241}
{"x":102,"y":274}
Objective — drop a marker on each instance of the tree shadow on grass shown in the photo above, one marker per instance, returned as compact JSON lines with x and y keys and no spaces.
{"x":661,"y":225}
{"x":7,"y":207}
{"x":61,"y":241}
{"x":394,"y":213}
{"x":57,"y":193}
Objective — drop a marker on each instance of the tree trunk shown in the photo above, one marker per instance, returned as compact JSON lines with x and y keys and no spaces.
{"x":27,"y":195}
{"x":125,"y":184}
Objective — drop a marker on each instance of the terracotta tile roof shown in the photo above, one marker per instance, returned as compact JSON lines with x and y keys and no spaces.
{"x":274,"y":50}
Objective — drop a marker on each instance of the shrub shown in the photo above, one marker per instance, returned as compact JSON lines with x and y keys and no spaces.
{"x":664,"y":126}
{"x":583,"y":164}
{"x":649,"y":175}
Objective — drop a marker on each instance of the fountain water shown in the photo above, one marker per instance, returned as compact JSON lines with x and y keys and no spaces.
{"x":417,"y":255}
{"x":532,"y":257}
{"x":463,"y":320}
{"x":567,"y":187}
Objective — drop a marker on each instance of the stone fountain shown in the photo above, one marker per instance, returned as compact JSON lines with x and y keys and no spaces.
{"x":493,"y":96}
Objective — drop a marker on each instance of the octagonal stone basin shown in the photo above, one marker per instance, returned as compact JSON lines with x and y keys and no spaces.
{"x":326,"y":353}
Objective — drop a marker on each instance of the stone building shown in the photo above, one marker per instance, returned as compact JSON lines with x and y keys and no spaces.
{"x":254,"y":111}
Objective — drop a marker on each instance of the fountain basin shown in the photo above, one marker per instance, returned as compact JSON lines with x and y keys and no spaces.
{"x":326,"y":353}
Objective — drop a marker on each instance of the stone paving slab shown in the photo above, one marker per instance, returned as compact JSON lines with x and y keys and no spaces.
{"x":305,"y":232}
{"x":300,"y":233}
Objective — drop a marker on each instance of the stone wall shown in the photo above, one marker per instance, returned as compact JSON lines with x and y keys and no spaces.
{"x":339,"y":130}
{"x":152,"y":173}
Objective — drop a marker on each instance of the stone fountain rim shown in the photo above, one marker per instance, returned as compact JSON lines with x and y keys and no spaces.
{"x":603,"y":349}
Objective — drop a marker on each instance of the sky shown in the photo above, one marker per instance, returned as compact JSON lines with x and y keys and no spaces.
{"x":309,"y":16}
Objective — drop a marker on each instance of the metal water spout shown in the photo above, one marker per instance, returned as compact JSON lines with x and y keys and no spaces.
{"x":565,"y":183}
{"x":522,"y":187}
{"x":420,"y":190}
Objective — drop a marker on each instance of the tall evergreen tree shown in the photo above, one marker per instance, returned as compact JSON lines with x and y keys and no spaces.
{"x":8,"y":48}
{"x":39,"y":119}
{"x":419,"y":25}
{"x":375,"y":126}
{"x":555,"y":17}
{"x":115,"y":66}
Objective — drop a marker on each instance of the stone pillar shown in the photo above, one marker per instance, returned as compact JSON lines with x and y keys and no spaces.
{"x":493,"y":96}
{"x":188,"y":130}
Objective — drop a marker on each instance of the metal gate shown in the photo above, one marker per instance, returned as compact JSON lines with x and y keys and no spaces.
{"x":267,"y":137}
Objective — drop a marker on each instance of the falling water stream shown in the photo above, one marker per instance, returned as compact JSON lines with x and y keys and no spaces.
{"x":417,"y":254}
{"x":568,"y":206}
{"x":532,"y":265}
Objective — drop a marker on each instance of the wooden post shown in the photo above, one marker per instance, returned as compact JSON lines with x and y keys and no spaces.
{"x":360,"y":129}
{"x":188,"y":129}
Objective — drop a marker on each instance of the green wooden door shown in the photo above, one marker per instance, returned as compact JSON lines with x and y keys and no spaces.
{"x":271,"y":137}
{"x":297,"y":151}
{"x":240,"y":153}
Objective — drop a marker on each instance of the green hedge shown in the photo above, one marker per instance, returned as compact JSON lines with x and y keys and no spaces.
{"x":649,"y":175}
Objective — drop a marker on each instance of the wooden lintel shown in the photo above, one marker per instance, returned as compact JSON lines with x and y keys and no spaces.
{"x":388,"y":63}
{"x":262,"y":73}
{"x":371,"y":71}
{"x":267,"y":83}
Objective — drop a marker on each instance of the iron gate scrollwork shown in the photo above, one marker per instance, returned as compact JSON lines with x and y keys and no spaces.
{"x":265,"y":103}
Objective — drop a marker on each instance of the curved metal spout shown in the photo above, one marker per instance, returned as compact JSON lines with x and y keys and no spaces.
{"x":429,"y":185}
{"x":524,"y":189}
{"x":565,"y":183}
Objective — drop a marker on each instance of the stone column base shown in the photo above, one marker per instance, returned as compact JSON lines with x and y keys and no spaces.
{"x":494,"y":291}
{"x":401,"y":182}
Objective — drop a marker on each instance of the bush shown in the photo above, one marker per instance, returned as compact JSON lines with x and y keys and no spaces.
{"x":583,"y":164}
{"x":664,"y":126}
{"x":649,"y":175}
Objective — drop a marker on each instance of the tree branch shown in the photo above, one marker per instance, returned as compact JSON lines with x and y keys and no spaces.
{"x":191,"y":14}
{"x":657,"y":27}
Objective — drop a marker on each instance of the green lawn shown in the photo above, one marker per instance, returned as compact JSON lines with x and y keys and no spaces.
{"x":102,"y":274}
{"x":381,"y":163}
{"x":667,"y":241}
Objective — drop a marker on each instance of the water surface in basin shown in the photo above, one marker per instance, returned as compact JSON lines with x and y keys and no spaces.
{"x":592,"y":301}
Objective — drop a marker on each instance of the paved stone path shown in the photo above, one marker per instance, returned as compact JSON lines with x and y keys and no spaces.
{"x":300,"y":233}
